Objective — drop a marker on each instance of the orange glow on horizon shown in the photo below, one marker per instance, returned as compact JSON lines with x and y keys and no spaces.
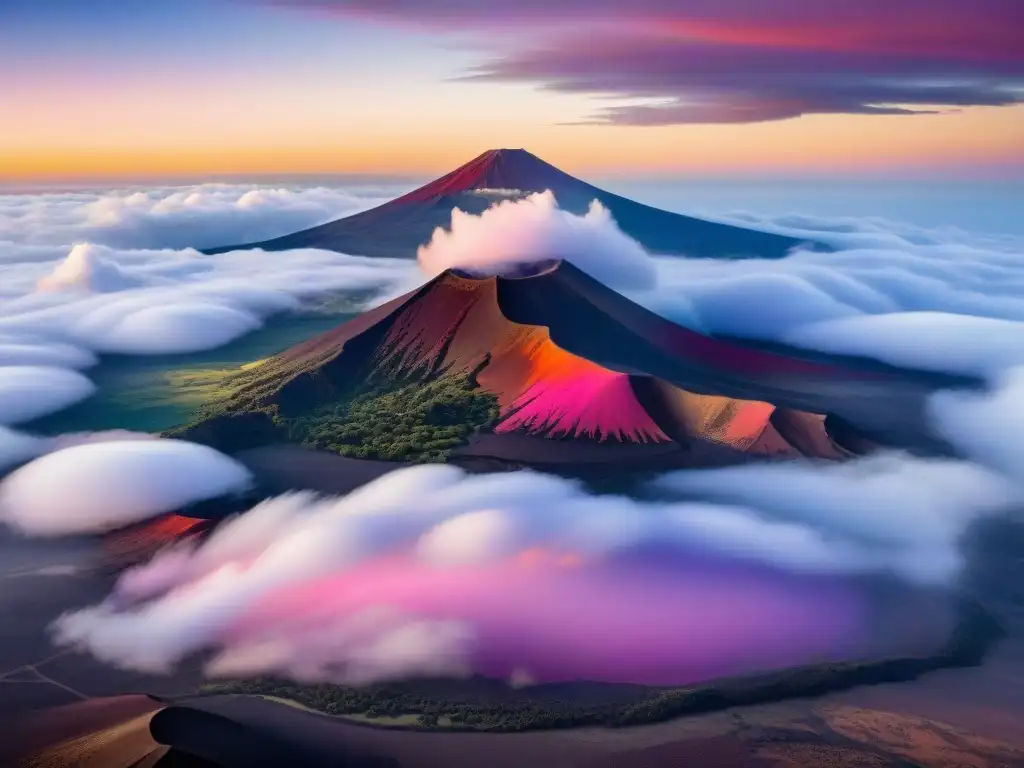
{"x":812,"y":144}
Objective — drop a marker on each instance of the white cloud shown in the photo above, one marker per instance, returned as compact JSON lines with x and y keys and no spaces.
{"x":98,"y":486}
{"x":497,"y":192}
{"x":197,"y":216}
{"x":27,"y":351}
{"x":30,"y":391}
{"x":184,"y":326}
{"x":98,"y":271}
{"x":953,"y":308}
{"x":86,"y":270}
{"x":16,"y":447}
{"x":926,"y":341}
{"x":884,"y":509}
{"x":377,"y":644}
{"x":535,"y":229}
{"x":987,"y":426}
{"x":889,"y":514}
{"x":475,"y":537}
{"x":103,"y":300}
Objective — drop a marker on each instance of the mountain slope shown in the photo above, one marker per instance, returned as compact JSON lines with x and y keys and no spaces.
{"x":398,"y":227}
{"x":553,"y":368}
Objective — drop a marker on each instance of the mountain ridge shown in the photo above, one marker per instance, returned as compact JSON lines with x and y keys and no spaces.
{"x":397,"y":228}
{"x":533,"y":370}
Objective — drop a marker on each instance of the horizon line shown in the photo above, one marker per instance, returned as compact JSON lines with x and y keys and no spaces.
{"x":1003,"y":174}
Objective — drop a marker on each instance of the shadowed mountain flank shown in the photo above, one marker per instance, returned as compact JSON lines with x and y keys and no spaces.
{"x":397,"y":228}
{"x":548,"y":369}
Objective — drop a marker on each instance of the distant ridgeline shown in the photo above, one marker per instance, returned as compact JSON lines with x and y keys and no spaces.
{"x":397,"y":228}
{"x":544,"y":370}
{"x":480,"y":704}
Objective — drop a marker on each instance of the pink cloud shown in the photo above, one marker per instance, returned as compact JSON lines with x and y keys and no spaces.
{"x":664,"y":623}
{"x":430,"y":570}
{"x":738,"y":61}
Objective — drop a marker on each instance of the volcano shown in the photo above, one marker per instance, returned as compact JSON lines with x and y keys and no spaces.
{"x":397,"y":228}
{"x":551,"y":369}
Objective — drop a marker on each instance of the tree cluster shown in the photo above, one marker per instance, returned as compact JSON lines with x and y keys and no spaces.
{"x":463,"y":713}
{"x":400,"y":421}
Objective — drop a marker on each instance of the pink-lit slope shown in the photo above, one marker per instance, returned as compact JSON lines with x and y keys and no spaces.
{"x":542,"y":389}
{"x":582,"y":371}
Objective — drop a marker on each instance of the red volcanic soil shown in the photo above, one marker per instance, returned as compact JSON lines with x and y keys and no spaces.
{"x":496,"y":169}
{"x":144,"y":539}
{"x":458,"y":327}
{"x":590,"y":373}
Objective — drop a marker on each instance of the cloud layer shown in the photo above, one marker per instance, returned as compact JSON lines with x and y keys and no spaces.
{"x":60,"y":312}
{"x":403,"y":577}
{"x":888,"y":506}
{"x":17,"y":447}
{"x":198,"y":216}
{"x":987,"y":427}
{"x":30,"y":391}
{"x":506,"y":572}
{"x":940,"y":300}
{"x":937,"y":300}
{"x":739,"y":61}
{"x":91,"y":289}
{"x":113,"y":271}
{"x":100,"y":486}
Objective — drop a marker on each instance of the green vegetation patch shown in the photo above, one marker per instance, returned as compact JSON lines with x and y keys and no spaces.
{"x":402,"y":706}
{"x":203,"y":388}
{"x":400,"y":421}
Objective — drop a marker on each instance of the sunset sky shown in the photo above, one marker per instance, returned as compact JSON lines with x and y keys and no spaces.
{"x":118,"y":88}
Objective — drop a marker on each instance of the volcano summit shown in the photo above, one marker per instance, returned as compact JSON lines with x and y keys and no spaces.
{"x":548,"y":369}
{"x":397,"y":228}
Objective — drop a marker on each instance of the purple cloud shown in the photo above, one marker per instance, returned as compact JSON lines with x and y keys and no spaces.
{"x":708,"y":82}
{"x":738,"y":61}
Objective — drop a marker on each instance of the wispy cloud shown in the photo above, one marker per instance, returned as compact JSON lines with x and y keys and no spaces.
{"x":738,"y":61}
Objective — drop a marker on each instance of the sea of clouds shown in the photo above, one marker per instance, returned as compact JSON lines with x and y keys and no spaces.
{"x":194,"y":216}
{"x":940,"y":300}
{"x":110,"y":272}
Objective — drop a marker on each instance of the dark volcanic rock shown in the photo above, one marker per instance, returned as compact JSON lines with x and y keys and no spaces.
{"x":397,"y":228}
